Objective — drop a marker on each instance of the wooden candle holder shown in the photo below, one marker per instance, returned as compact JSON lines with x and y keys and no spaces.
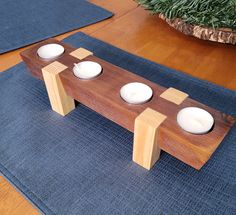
{"x":153,"y":123}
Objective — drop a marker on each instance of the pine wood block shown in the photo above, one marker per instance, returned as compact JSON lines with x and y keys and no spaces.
{"x":174,"y":95}
{"x":60,"y":101}
{"x":35,"y":63}
{"x":81,"y":53}
{"x":146,"y":150}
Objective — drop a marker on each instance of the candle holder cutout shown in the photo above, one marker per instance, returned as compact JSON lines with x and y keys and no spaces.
{"x":50,"y":51}
{"x":87,"y":70}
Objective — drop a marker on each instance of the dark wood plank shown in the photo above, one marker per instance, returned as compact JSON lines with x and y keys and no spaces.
{"x":102,"y":95}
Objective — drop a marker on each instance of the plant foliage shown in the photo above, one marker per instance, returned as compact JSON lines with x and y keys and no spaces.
{"x":209,"y":13}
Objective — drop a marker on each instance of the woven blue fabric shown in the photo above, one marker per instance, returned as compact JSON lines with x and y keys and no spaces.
{"x":26,"y":22}
{"x":82,"y":163}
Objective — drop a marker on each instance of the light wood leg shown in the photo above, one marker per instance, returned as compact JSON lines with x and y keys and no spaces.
{"x":146,"y":150}
{"x":60,"y":101}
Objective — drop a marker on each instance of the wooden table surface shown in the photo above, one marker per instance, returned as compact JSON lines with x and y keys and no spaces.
{"x":135,"y":31}
{"x":12,"y":202}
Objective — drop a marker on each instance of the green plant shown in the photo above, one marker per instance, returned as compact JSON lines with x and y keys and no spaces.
{"x":210,"y":13}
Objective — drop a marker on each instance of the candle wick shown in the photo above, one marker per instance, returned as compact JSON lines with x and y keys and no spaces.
{"x":77,"y":67}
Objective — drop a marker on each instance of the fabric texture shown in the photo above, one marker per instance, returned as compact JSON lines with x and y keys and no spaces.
{"x":82,"y":163}
{"x":26,"y":22}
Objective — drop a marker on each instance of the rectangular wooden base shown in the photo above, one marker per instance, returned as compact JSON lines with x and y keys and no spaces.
{"x":153,"y":123}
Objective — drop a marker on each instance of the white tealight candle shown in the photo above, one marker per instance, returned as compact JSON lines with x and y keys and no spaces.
{"x":87,"y":70}
{"x":50,"y":51}
{"x":136,"y":93}
{"x":195,"y":120}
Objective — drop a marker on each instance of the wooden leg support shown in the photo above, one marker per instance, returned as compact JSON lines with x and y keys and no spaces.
{"x":146,"y":150}
{"x":60,"y":101}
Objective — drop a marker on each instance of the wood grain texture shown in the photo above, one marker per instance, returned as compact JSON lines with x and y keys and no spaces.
{"x":174,"y":95}
{"x":12,"y":202}
{"x":102,"y":95}
{"x":81,"y":53}
{"x":150,"y":37}
{"x":146,"y":150}
{"x":59,"y":100}
{"x":134,"y":30}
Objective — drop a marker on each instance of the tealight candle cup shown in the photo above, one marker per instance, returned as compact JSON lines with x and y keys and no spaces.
{"x":136,"y":93}
{"x":50,"y":51}
{"x":87,"y":70}
{"x":195,"y":120}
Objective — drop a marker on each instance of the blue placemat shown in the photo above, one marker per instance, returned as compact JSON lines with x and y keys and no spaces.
{"x":82,"y":163}
{"x":28,"y":21}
